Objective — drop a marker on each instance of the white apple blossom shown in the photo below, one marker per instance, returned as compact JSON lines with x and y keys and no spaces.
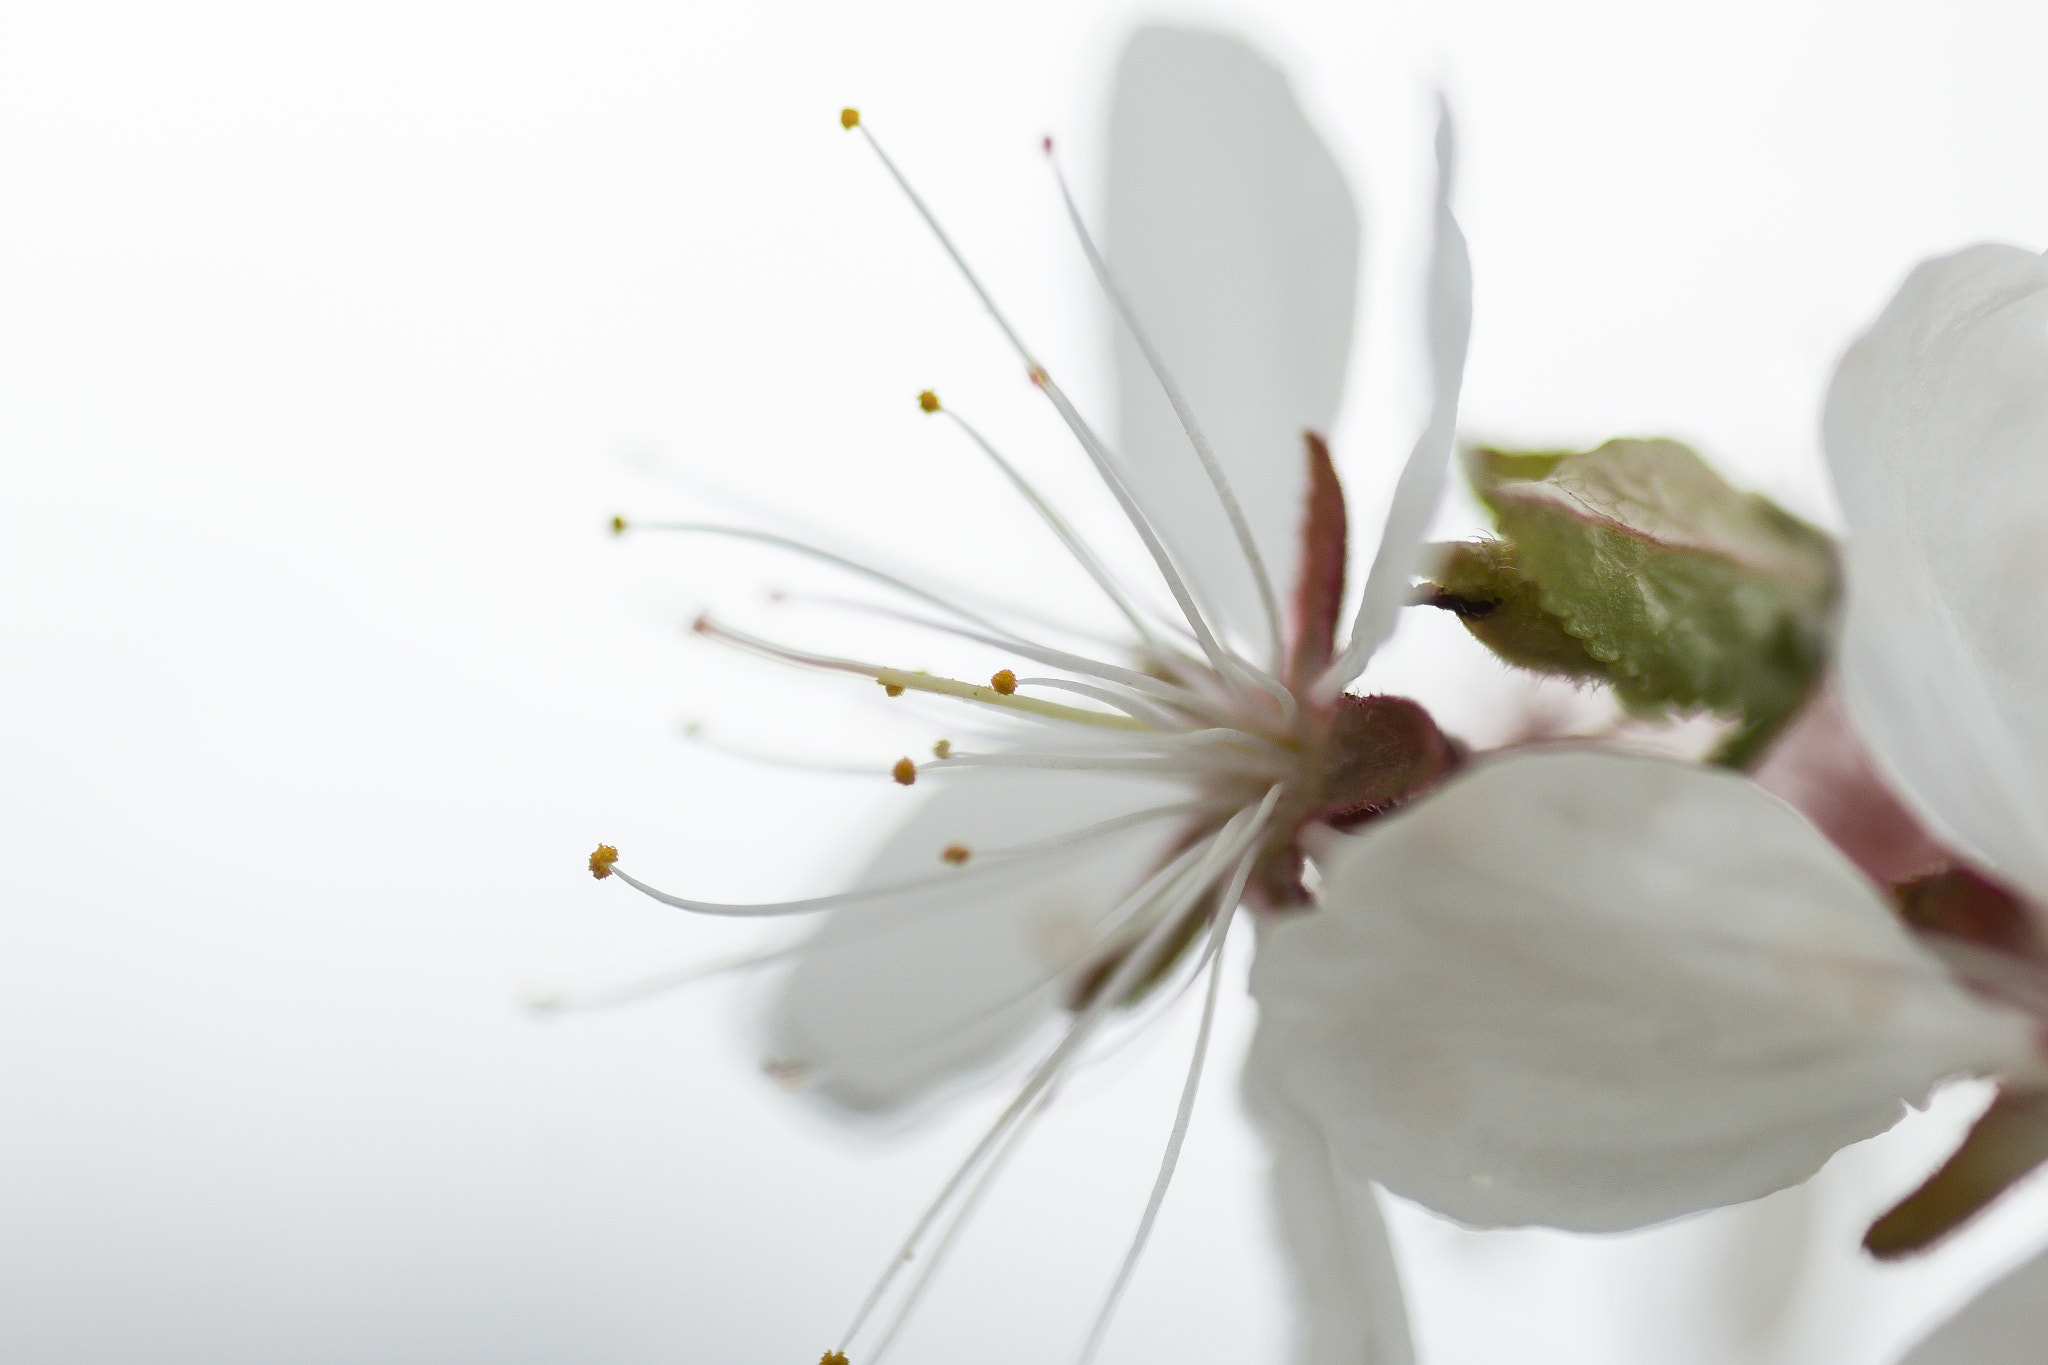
{"x":1118,"y":829}
{"x":1937,"y":437}
{"x":1570,"y":987}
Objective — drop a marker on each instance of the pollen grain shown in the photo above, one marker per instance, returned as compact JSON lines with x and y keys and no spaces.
{"x":1004,"y":682}
{"x":943,"y":749}
{"x":602,"y":860}
{"x":834,"y":1357}
{"x":618,"y":526}
{"x":956,"y":854}
{"x":893,"y":689}
{"x":904,"y":772}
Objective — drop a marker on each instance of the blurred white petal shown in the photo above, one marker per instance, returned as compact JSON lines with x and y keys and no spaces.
{"x":1421,"y":487}
{"x":1596,"y":992}
{"x":2005,"y":1325}
{"x":890,"y":999}
{"x":1937,"y":433}
{"x":1236,"y":241}
{"x":1347,"y":1287}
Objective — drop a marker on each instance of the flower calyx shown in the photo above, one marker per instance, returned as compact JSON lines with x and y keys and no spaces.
{"x":2009,"y":1141}
{"x":1635,"y":564}
{"x":1993,"y":938}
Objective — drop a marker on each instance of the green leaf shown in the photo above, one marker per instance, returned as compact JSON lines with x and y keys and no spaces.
{"x":1685,"y":593}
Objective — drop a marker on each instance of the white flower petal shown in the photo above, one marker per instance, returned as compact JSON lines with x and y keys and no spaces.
{"x":2005,"y":1325}
{"x":1236,"y":241}
{"x":1348,"y":1288}
{"x":891,"y":998}
{"x":1595,"y":992}
{"x":1937,"y":432}
{"x":1421,"y":486}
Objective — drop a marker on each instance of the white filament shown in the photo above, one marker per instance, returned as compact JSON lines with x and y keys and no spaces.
{"x":1268,"y":602}
{"x":1226,"y":912}
{"x":1238,"y":834}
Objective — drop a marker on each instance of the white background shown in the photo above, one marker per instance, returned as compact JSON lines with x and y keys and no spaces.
{"x":330,"y":337}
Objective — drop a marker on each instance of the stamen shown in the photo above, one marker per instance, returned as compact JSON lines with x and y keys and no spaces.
{"x":956,"y":854}
{"x":1226,"y":913}
{"x":928,"y":400}
{"x":1164,"y":886}
{"x":1097,"y":453}
{"x":618,"y":526}
{"x":834,"y":1357}
{"x":1086,"y":557}
{"x":783,"y":597}
{"x":1167,"y":882}
{"x":848,"y":118}
{"x":993,"y":860}
{"x":1188,"y":755}
{"x":1004,"y":682}
{"x":917,"y":682}
{"x":1237,"y":835}
{"x":1122,"y":701}
{"x":1269,"y":603}
{"x":1173,"y":693}
{"x":853,"y":566}
{"x":601,"y":861}
{"x":695,"y":734}
{"x":957,"y":1224}
{"x":905,"y":772}
{"x":892,"y":580}
{"x":1219,"y":656}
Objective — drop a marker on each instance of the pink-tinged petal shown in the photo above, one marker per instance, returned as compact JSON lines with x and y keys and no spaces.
{"x":1347,"y":1286}
{"x":1595,"y":992}
{"x":1937,"y":433}
{"x":1236,"y":241}
{"x":2005,"y":1325}
{"x":890,"y":999}
{"x":1389,"y":583}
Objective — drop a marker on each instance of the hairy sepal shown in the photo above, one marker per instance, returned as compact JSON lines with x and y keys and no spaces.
{"x":2008,"y":1141}
{"x":1637,"y":565}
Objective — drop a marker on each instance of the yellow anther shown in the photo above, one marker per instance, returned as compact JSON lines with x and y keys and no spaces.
{"x":835,"y":1357}
{"x":893,"y":689}
{"x":618,"y":526}
{"x":943,"y":749}
{"x":928,"y":400}
{"x":848,"y":118}
{"x":905,"y":771}
{"x":956,"y":854}
{"x":989,"y":696}
{"x":1004,"y":682}
{"x":602,"y":860}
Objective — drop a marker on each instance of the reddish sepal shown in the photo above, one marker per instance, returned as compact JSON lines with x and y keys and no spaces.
{"x":1319,"y":584}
